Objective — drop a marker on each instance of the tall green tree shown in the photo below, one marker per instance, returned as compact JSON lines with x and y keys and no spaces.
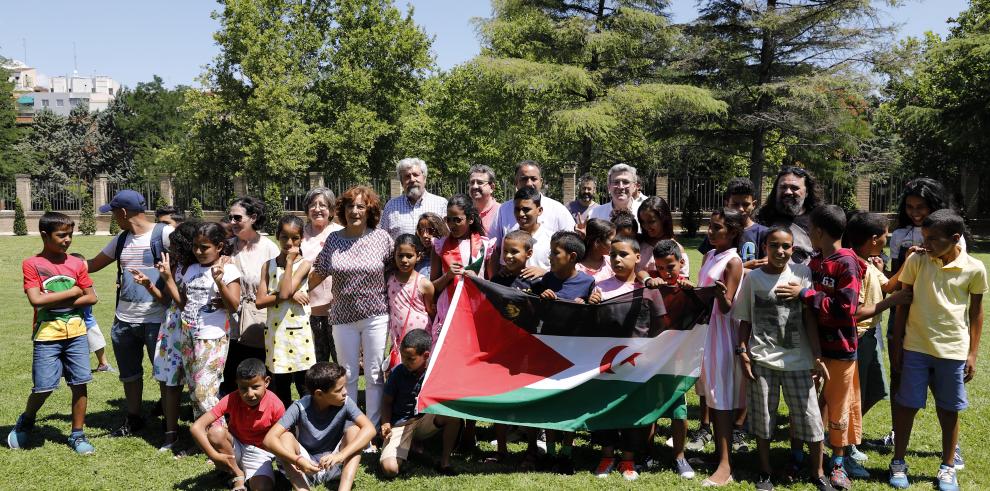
{"x":789,"y":71}
{"x":10,"y":163}
{"x":308,"y":85}
{"x":154,"y":122}
{"x":583,"y":80}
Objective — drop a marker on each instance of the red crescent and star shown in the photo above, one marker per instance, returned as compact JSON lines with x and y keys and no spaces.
{"x":609,"y":357}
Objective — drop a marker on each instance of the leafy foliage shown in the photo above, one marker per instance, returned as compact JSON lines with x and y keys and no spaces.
{"x":274,"y":207}
{"x":114,"y":227}
{"x":196,"y":213}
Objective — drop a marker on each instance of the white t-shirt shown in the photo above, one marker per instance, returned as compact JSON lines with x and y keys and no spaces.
{"x":136,"y":254}
{"x":778,"y":338}
{"x":541,"y":248}
{"x":605,"y":211}
{"x":203,"y":311}
{"x":555,"y":217}
{"x":250,"y":261}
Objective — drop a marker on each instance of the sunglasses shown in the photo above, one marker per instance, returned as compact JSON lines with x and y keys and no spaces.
{"x":236,"y":218}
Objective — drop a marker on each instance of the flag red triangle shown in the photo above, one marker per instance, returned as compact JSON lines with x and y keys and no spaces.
{"x":479,"y":346}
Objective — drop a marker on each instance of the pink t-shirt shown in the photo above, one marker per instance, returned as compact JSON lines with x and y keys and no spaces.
{"x":321,"y":296}
{"x":488,"y":216}
{"x":601,"y":274}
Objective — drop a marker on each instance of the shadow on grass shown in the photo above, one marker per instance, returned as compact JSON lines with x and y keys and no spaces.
{"x":39,"y":435}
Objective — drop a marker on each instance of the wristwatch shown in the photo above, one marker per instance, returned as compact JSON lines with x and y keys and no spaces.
{"x":739,"y":350}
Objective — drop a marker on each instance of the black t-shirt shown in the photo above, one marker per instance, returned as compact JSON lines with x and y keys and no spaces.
{"x":404,"y":387}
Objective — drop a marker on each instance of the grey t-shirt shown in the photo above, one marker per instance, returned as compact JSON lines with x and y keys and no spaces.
{"x":778,"y":339}
{"x":319,"y":431}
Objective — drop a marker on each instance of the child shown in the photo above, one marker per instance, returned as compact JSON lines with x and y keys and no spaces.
{"x":937,"y":341}
{"x":741,"y":195}
{"x":667,"y":255}
{"x":206,"y":292}
{"x":866,"y":234}
{"x":169,"y":215}
{"x":624,"y":255}
{"x":410,"y":295}
{"x":527,"y":209}
{"x":251,"y":411}
{"x":58,"y":286}
{"x":172,"y":340}
{"x":401,"y":425}
{"x":517,"y":247}
{"x":625,"y":224}
{"x":564,"y":282}
{"x":97,"y":343}
{"x":320,"y":437}
{"x":778,"y":344}
{"x":722,"y":383}
{"x":430,"y":226}
{"x":283,"y":289}
{"x":598,"y":242}
{"x":656,"y":224}
{"x":837,"y":275}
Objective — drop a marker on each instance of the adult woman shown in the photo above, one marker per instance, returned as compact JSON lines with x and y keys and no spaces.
{"x":356,"y":257}
{"x":249,"y":252}
{"x":319,"y":205}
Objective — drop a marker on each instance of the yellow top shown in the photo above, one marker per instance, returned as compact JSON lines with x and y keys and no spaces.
{"x":870,"y":293}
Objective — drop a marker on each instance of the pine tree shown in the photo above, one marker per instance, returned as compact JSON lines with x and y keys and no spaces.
{"x":196,"y":211}
{"x":274,"y":208}
{"x":87,"y":220}
{"x":114,"y":228}
{"x":691,"y":217}
{"x":20,"y":221}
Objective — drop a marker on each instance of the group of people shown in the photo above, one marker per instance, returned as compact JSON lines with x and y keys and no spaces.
{"x":362,"y":287}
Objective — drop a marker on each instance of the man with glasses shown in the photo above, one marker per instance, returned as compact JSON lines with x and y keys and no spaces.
{"x":623,"y":184}
{"x":555,"y":217}
{"x":481,"y":187}
{"x":401,"y":214}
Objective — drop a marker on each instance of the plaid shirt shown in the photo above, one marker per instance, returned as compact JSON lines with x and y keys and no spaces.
{"x":400,"y":216}
{"x":835,"y":298}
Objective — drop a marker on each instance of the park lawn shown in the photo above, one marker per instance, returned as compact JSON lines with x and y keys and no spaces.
{"x":135,"y":463}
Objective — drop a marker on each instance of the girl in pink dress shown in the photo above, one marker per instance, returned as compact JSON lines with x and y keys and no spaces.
{"x":722,"y":383}
{"x":410,"y":295}
{"x":598,"y":237}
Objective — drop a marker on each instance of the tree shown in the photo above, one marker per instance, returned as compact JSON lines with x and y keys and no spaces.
{"x":787,"y":70}
{"x":308,"y":85}
{"x":87,"y":220}
{"x":10,"y":163}
{"x":20,"y":220}
{"x":587,"y":80}
{"x":196,"y":211}
{"x":275,"y":208}
{"x":154,"y":123}
{"x":114,"y":227}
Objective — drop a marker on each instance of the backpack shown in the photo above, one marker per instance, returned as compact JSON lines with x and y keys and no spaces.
{"x":126,"y":283}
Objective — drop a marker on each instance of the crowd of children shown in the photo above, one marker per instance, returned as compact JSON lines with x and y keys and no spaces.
{"x":811,"y":330}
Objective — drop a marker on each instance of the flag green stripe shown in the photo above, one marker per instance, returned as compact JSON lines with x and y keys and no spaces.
{"x":594,"y":405}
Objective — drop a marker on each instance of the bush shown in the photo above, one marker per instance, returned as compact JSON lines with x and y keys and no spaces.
{"x":20,"y":220}
{"x":114,"y":228}
{"x":160,"y":203}
{"x":196,"y":213}
{"x":691,"y":218}
{"x":87,"y":220}
{"x":273,"y":208}
{"x":46,"y":205}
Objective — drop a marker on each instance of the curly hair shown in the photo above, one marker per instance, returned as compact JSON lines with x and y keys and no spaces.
{"x":371,"y":201}
{"x":180,"y":242}
{"x":769,"y":213}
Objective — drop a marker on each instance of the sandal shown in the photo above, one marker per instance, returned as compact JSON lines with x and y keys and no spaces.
{"x":240,"y":487}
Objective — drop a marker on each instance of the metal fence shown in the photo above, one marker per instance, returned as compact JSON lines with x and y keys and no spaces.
{"x":710,"y":193}
{"x":885,"y":193}
{"x":8,"y":193}
{"x":149,"y":188}
{"x":215,"y":194}
{"x":58,"y":196}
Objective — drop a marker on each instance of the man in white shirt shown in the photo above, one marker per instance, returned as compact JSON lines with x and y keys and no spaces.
{"x":401,"y":214}
{"x":623,"y":183}
{"x":555,"y":215}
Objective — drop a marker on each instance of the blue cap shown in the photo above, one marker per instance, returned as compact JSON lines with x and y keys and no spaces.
{"x":128,"y":199}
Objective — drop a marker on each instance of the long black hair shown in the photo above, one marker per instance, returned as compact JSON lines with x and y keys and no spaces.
{"x":465,"y":203}
{"x":181,"y":242}
{"x":927,"y":189}
{"x":215,"y":233}
{"x":769,"y":213}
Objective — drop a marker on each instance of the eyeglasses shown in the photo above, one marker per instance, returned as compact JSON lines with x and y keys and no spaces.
{"x":476,"y":182}
{"x":235,"y":218}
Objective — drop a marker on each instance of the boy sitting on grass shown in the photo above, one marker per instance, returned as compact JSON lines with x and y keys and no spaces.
{"x":402,"y":426}
{"x":58,"y":286}
{"x":321,"y":445}
{"x":239,"y":448}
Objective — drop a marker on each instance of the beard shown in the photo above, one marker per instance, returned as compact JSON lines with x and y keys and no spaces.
{"x":790,"y":206}
{"x":414,"y":192}
{"x":587,"y":197}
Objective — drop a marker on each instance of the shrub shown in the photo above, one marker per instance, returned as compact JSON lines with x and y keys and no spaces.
{"x":20,"y":220}
{"x":87,"y":220}
{"x":691,"y":218}
{"x":273,"y":208}
{"x":196,"y":213}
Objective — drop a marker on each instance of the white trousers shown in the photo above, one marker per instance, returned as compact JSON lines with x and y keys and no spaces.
{"x":350,"y":339}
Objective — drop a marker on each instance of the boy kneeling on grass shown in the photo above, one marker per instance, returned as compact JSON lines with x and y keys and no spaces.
{"x":58,"y":286}
{"x":328,"y":432}
{"x":401,"y":426}
{"x":239,"y":449}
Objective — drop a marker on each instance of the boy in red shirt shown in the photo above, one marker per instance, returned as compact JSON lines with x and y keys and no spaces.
{"x":58,"y":287}
{"x":252,"y":411}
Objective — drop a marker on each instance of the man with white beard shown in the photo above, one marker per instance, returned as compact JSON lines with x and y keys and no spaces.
{"x":791,"y":200}
{"x":622,"y":184}
{"x":401,"y":214}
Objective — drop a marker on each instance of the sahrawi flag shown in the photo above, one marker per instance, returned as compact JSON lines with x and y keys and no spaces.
{"x":507,"y":356}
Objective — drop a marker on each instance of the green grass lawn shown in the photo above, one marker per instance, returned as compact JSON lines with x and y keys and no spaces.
{"x":135,"y":463}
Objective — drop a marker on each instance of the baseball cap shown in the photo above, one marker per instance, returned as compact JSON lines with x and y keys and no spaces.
{"x":127,"y":199}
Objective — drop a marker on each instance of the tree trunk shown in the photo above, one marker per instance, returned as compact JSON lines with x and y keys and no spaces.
{"x":758,"y":158}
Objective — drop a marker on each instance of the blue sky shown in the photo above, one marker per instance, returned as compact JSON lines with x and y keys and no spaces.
{"x":132,"y":40}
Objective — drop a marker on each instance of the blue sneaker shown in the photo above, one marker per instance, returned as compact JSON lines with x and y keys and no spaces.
{"x":854,"y":468}
{"x":79,"y":443}
{"x":957,"y":460}
{"x":946,"y":478}
{"x":856,"y":454}
{"x":18,"y":436}
{"x":898,"y":474}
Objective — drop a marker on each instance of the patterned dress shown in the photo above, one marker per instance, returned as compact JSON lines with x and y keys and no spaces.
{"x":722,"y":382}
{"x":288,"y":337}
{"x":407,"y":311}
{"x":472,"y":253}
{"x":167,"y":365}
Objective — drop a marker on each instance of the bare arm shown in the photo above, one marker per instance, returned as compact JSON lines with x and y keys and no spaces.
{"x":292,"y":279}
{"x":37,"y":298}
{"x":198,"y":431}
{"x":426,"y":287}
{"x":263,"y":299}
{"x":733,"y":276}
{"x":99,"y":262}
{"x":364,"y":437}
{"x":900,"y":322}
{"x":975,"y":329}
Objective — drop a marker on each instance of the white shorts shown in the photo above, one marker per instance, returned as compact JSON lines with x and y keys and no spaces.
{"x":254,"y":461}
{"x":96,"y":339}
{"x":324,"y":475}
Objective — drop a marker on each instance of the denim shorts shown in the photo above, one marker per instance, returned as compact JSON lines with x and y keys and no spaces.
{"x":128,"y":338}
{"x":919,"y":371}
{"x":54,"y":359}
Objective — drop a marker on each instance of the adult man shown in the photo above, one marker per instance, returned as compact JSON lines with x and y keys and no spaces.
{"x":138,"y":316}
{"x":481,"y":185}
{"x":585,"y":202}
{"x":401,"y":214}
{"x":790,"y":203}
{"x":622,"y":184}
{"x":555,"y":215}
